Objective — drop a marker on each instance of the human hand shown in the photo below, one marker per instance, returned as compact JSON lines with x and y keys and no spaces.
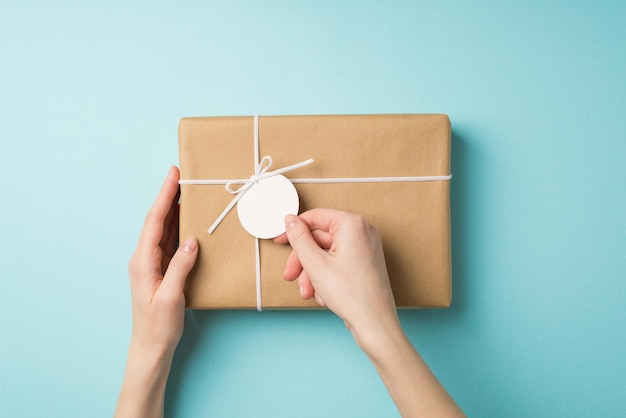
{"x":158,"y":272}
{"x":338,"y":259}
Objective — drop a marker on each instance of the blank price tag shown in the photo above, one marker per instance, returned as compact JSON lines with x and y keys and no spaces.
{"x":263,"y":208}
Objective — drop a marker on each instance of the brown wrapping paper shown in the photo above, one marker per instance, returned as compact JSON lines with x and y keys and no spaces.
{"x":413,"y":217}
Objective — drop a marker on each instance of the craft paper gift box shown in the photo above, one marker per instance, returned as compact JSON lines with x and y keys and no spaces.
{"x":413,"y":216}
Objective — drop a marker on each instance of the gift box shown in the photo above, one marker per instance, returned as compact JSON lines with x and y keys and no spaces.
{"x":393,"y":169}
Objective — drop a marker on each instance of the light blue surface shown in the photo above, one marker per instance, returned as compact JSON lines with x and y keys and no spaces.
{"x":90,"y":98}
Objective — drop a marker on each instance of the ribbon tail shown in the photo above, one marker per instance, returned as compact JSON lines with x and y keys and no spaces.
{"x":225,"y":212}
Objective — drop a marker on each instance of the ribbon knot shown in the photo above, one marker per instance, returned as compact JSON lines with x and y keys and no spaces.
{"x":259,"y":174}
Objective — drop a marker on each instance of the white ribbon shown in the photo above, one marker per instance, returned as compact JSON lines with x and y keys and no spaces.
{"x":261,"y":172}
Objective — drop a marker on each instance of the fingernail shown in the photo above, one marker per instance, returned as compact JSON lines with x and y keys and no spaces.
{"x":190,"y":245}
{"x":301,"y":292}
{"x":290,"y":221}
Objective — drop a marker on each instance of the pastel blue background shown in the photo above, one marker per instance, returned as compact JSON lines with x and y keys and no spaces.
{"x":90,"y":98}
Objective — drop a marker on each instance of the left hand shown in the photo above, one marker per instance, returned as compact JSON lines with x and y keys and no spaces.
{"x":158,"y":272}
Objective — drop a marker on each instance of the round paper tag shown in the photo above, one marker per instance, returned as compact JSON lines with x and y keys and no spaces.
{"x":263,"y":208}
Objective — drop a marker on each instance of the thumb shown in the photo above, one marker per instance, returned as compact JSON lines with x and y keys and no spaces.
{"x":180,"y":266}
{"x":308,"y":251}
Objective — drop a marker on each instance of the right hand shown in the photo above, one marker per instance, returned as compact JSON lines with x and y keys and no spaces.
{"x":338,"y":259}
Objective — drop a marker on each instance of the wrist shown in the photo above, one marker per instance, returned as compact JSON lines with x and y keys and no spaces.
{"x":375,"y":336}
{"x":412,"y":385}
{"x":149,"y":366}
{"x":145,"y":378}
{"x":149,"y":361}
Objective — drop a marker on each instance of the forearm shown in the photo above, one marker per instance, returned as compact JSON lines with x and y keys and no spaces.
{"x":412,"y":385}
{"x":145,"y":378}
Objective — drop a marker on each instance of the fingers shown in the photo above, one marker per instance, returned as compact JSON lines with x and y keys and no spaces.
{"x":323,"y":238}
{"x":322,"y":219}
{"x":153,"y":228}
{"x":314,"y":237}
{"x":170,"y":234}
{"x":306,"y":287}
{"x":320,"y":222}
{"x":180,"y":266}
{"x":304,"y":245}
{"x":170,"y":224}
{"x":293,"y":267}
{"x":281,"y":239}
